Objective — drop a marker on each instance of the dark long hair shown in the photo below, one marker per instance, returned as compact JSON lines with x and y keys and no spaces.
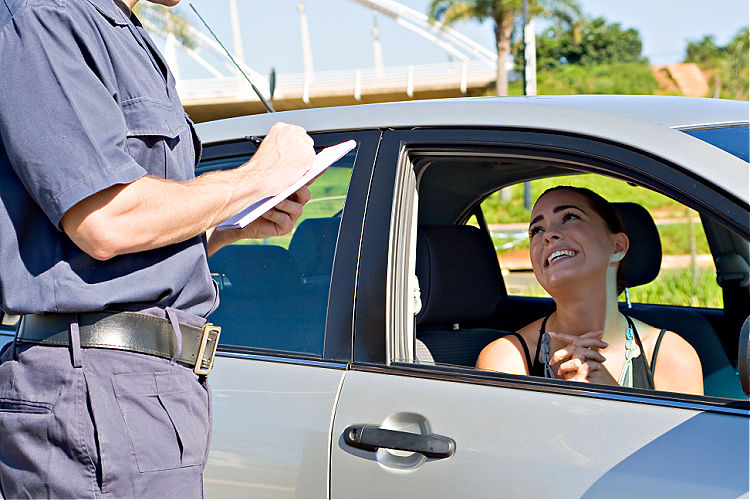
{"x":606,"y":211}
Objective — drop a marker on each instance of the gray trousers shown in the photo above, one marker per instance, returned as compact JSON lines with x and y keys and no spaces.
{"x":99,"y":423}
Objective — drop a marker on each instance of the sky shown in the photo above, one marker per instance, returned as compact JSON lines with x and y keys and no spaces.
{"x":340,"y":30}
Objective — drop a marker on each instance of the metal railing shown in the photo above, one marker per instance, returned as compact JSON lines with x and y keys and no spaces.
{"x":356,"y":82}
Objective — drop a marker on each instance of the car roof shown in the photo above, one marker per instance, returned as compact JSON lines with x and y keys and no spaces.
{"x":530,"y":111}
{"x":648,"y":123}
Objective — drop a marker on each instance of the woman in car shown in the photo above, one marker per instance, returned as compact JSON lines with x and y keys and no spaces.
{"x":577,"y":247}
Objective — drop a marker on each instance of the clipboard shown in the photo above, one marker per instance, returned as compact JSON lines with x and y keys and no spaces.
{"x":324,"y":159}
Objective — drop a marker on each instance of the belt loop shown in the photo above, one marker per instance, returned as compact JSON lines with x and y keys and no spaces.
{"x":177,"y":333}
{"x":75,"y":343}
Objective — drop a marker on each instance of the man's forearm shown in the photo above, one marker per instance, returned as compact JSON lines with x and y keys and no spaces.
{"x":151,"y":213}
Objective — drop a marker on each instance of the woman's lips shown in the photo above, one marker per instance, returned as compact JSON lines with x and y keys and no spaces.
{"x":558,"y":255}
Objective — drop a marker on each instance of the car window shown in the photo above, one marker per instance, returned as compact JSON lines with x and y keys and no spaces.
{"x":733,"y":140}
{"x":475,"y":282}
{"x":274,"y":292}
{"x":687,"y":276}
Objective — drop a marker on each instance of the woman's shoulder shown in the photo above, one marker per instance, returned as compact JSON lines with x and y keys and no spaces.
{"x":508,"y":353}
{"x":677,"y":365}
{"x":668,"y":340}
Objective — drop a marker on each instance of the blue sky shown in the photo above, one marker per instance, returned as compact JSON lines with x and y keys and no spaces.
{"x":340,"y":30}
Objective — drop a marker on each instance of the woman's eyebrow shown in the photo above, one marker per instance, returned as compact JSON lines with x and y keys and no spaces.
{"x":565,"y":207}
{"x":554,"y":211}
{"x":536,"y":219}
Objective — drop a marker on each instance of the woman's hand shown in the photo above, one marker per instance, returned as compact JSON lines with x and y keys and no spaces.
{"x":580,"y":359}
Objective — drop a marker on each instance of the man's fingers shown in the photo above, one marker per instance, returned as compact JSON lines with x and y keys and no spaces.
{"x":283,"y":221}
{"x":302,"y":195}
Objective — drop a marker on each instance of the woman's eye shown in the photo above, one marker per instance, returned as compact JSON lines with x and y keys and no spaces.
{"x":534,"y":230}
{"x":568,"y":216}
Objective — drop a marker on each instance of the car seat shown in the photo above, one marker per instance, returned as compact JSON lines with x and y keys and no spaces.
{"x":263,"y":301}
{"x":460,"y":285}
{"x":642,"y":265}
{"x":313,"y":246}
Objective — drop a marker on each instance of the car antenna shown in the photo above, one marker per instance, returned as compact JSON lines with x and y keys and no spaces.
{"x":268,"y":106}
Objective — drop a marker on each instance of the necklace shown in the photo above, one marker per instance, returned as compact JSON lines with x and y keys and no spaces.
{"x":626,"y":375}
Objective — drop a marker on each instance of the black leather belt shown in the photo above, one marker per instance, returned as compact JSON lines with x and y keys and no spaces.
{"x":126,"y":331}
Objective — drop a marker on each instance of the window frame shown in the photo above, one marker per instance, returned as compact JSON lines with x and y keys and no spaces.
{"x":616,"y":160}
{"x":337,"y":334}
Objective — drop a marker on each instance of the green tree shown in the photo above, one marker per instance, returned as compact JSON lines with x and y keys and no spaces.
{"x":164,"y":20}
{"x":728,"y":65}
{"x":504,"y":14}
{"x":587,"y":43}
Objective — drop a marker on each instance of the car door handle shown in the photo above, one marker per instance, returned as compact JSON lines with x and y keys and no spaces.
{"x":372,"y":437}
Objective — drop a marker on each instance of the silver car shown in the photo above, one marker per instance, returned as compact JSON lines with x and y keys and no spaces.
{"x":339,"y":376}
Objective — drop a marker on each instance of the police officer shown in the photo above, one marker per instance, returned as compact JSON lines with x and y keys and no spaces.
{"x":104,"y":234}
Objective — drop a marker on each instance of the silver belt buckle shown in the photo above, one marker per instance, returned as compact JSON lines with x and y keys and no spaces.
{"x":209,"y":342}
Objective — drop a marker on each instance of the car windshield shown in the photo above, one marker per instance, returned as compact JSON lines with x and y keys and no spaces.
{"x":734,"y":140}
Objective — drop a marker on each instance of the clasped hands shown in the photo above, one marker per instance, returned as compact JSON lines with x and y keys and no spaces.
{"x":580,"y":360}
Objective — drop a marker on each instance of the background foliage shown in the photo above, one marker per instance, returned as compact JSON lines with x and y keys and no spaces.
{"x":727,"y":66}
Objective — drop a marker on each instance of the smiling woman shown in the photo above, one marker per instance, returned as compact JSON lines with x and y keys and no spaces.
{"x":577,"y":248}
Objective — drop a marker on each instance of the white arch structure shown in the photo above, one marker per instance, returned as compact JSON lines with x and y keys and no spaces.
{"x":474,"y":67}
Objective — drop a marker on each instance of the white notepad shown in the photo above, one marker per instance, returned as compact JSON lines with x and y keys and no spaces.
{"x":324,"y":159}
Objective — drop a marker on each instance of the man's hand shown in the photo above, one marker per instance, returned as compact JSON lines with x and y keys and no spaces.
{"x":276,"y":222}
{"x":284,"y":156}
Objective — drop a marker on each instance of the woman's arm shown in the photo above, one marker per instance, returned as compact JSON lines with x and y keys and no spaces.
{"x":504,"y":355}
{"x":678,"y":367}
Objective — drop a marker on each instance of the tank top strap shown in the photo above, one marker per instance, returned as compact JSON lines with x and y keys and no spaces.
{"x":525,"y":347}
{"x":641,"y":368}
{"x":656,"y":349}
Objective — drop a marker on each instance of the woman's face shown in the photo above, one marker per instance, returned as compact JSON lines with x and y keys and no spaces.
{"x":570,"y":244}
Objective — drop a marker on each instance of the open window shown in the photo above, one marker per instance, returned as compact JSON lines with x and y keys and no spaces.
{"x":474,"y":278}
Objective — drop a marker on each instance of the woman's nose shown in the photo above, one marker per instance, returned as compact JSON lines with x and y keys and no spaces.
{"x":551,"y":235}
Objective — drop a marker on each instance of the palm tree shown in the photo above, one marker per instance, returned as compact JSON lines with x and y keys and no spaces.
{"x":504,"y":13}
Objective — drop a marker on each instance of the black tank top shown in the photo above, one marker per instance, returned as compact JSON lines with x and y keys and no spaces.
{"x":643,"y":374}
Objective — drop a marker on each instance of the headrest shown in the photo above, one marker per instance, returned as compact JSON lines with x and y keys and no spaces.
{"x":459,"y":275}
{"x":314,"y":243}
{"x":643,"y":261}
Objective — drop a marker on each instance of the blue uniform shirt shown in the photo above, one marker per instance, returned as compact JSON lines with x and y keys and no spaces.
{"x":87,"y":102}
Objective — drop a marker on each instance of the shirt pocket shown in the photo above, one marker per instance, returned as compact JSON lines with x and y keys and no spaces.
{"x":167,"y":423}
{"x":153,"y":130}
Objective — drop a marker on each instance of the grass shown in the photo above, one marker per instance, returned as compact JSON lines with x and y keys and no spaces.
{"x":498,"y":211}
{"x":672,"y":286}
{"x":678,"y":287}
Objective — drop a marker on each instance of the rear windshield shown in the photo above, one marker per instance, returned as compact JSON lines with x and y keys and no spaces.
{"x":734,"y":140}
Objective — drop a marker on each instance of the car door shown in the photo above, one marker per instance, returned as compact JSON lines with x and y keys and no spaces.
{"x":286,"y":338}
{"x":404,"y":429}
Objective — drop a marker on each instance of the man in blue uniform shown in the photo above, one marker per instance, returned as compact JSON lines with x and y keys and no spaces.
{"x":104,"y":234}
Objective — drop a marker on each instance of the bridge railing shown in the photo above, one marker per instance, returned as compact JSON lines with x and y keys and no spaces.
{"x":460,"y":75}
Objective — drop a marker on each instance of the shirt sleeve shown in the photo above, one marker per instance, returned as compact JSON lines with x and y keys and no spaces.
{"x":61,"y":125}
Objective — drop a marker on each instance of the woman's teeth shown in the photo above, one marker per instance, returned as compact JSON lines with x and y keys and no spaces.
{"x":559,"y":255}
